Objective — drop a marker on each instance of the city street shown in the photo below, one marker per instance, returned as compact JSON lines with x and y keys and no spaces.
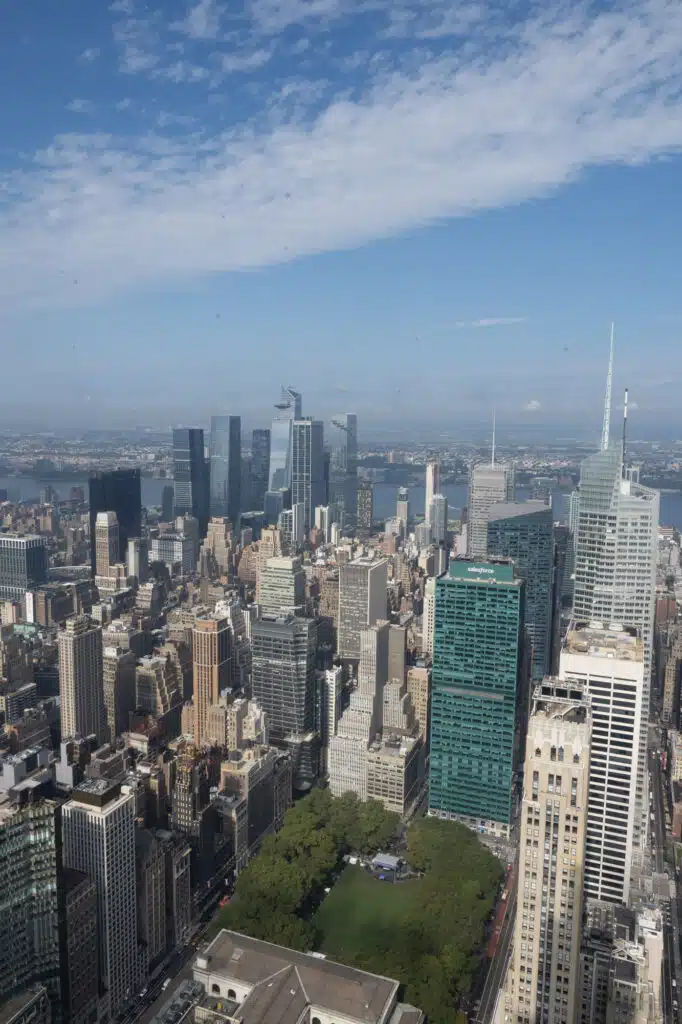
{"x":670,"y":931}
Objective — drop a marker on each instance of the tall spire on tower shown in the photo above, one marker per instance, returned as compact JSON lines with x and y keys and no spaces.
{"x":607,"y":398}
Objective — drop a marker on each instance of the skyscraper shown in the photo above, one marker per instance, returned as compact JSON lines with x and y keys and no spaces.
{"x":99,"y":840}
{"x":432,"y":485}
{"x":403,"y":507}
{"x":106,"y":542}
{"x":489,"y":484}
{"x":29,"y":899}
{"x":81,"y":689}
{"x":226,"y":467}
{"x":211,"y":644}
{"x":438,"y":518}
{"x":283,"y":673}
{"x":362,"y":601}
{"x":478,"y":694}
{"x":119,"y":491}
{"x":615,"y":568}
{"x":541,"y":984}
{"x":23,"y":565}
{"x":343,"y":467}
{"x":524,"y":532}
{"x":362,"y":719}
{"x":307,"y":468}
{"x":609,"y":663}
{"x":365,"y":507}
{"x":190,"y":476}
{"x":260,"y":467}
{"x":284,"y":684}
{"x":289,"y":408}
{"x":118,"y":676}
{"x":282,"y":587}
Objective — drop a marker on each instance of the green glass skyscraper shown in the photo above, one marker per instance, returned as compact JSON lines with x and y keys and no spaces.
{"x":478,"y":697}
{"x":524,"y":532}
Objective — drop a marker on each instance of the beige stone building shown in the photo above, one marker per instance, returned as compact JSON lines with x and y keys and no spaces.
{"x":541,"y":981}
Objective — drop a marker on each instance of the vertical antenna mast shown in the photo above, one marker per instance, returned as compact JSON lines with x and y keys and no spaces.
{"x":607,"y":398}
{"x":492,"y":462}
{"x":625,"y":426}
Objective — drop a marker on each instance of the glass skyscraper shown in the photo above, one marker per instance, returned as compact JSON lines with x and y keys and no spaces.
{"x":23,"y":565}
{"x":226,"y":467}
{"x":29,"y":899}
{"x":615,"y":567}
{"x":260,"y":467}
{"x":524,"y":532}
{"x":343,"y":464}
{"x":478,"y":698}
{"x":290,"y":409}
{"x":307,"y":468}
{"x":119,"y":491}
{"x":190,"y":476}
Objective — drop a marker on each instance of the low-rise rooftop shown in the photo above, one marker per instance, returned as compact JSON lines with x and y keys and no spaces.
{"x":604,"y":640}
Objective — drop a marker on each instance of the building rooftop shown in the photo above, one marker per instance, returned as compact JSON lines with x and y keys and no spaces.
{"x":284,"y":982}
{"x":604,"y":640}
{"x":511,"y":509}
{"x":488,"y":571}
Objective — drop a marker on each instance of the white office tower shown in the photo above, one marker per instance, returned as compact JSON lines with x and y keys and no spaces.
{"x":98,"y":826}
{"x":138,"y":559}
{"x":291,"y":525}
{"x":81,"y":686}
{"x":429,"y":619}
{"x":361,"y":721}
{"x":438,"y":518}
{"x":609,"y":662}
{"x":282,"y":587}
{"x":330,"y":710}
{"x":615,"y":570}
{"x":541,"y":982}
{"x":362,"y":601}
{"x":432,"y":485}
{"x":324,"y":515}
{"x":489,"y":484}
{"x":106,"y":542}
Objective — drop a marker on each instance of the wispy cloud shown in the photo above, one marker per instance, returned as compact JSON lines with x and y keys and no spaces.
{"x":80,"y":106}
{"x":91,"y":54}
{"x":498,"y":321}
{"x":234,"y":62}
{"x":492,"y":321}
{"x":532,"y":406}
{"x":481,"y":127}
{"x":202,"y":20}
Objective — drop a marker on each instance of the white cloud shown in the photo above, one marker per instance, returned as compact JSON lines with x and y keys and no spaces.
{"x":92,"y":53}
{"x":532,"y":406}
{"x":234,"y":62}
{"x":202,"y":21}
{"x":498,"y":321}
{"x":491,"y":321}
{"x":80,"y":106}
{"x":463,"y":133}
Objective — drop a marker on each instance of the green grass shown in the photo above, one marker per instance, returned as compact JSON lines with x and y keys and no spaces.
{"x":360,"y":906}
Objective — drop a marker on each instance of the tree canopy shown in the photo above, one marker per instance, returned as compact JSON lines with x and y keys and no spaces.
{"x":427,"y":933}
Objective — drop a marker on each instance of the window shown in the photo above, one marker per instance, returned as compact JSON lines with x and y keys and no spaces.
{"x":215,"y":988}
{"x":231,"y":994}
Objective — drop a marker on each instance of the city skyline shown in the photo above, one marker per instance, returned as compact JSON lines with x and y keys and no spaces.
{"x":524,"y":156}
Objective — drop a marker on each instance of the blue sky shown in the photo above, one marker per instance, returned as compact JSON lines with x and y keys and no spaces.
{"x":412,"y":210}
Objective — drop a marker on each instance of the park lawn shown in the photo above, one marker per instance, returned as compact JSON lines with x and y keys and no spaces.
{"x":359,"y":910}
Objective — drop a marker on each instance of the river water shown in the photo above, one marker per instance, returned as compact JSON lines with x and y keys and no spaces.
{"x":385,"y":496}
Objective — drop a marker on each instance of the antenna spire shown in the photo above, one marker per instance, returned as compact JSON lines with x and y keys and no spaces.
{"x":625,"y":427}
{"x":607,"y":398}
{"x":492,"y":461}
